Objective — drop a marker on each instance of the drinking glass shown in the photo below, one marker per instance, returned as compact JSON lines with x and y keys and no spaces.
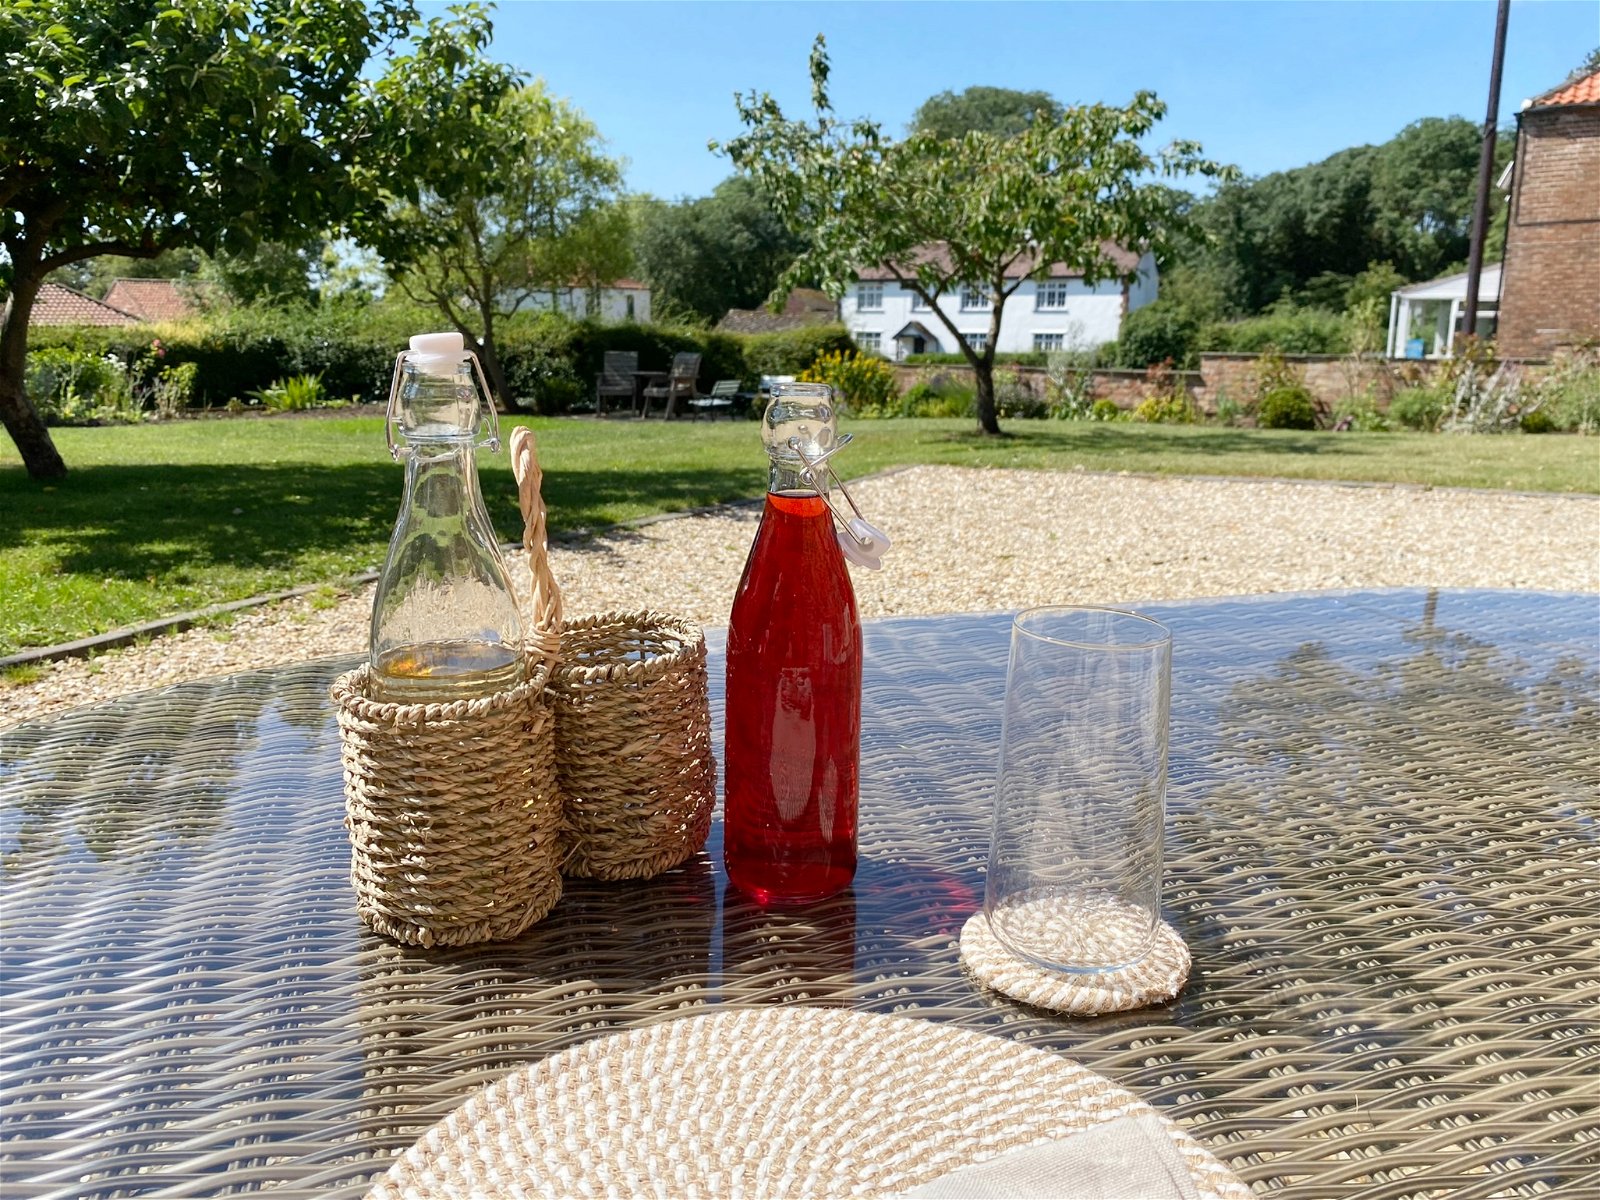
{"x":1074,"y":879}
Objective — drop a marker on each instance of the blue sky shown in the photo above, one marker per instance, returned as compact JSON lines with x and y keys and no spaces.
{"x":1266,"y":85}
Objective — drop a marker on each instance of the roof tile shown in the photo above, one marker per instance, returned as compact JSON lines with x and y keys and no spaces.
{"x":57,"y":305}
{"x":1580,"y":91}
{"x":150,"y":299}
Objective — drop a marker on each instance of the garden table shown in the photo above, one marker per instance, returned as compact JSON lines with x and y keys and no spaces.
{"x":1381,"y":843}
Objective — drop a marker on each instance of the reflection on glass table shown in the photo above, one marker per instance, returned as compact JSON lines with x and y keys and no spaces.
{"x":1381,"y":846}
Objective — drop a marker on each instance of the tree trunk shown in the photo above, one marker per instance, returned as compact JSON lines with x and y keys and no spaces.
{"x":983,"y":376}
{"x":22,"y":420}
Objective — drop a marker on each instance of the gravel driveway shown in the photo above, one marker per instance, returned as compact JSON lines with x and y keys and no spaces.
{"x":972,"y":541}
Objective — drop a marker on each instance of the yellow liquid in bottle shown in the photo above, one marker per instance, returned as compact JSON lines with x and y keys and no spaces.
{"x":439,"y":672}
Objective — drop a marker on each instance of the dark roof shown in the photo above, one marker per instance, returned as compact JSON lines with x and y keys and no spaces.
{"x":938,"y":254}
{"x":805,"y":306}
{"x":57,"y":305}
{"x":150,"y":299}
{"x":914,"y":329}
{"x":1583,"y":90}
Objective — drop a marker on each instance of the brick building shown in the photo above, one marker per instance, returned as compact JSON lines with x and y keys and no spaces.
{"x":1550,"y":280}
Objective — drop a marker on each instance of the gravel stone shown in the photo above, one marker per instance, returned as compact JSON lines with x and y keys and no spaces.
{"x":972,"y":541}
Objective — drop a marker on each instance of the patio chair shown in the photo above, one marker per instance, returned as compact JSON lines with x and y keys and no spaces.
{"x":724,"y":396}
{"x":615,"y":379}
{"x":678,"y":383}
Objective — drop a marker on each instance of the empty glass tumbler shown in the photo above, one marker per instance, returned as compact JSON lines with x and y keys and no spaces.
{"x":1074,"y":880}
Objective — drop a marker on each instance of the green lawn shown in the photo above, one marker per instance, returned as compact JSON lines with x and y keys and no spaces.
{"x":156,"y":519}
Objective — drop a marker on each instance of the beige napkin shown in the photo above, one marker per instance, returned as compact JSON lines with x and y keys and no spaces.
{"x":1131,"y":1158}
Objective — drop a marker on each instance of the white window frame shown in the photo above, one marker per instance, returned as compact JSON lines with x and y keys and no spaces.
{"x":978,"y":341}
{"x":1045,"y":298}
{"x":975,"y":299}
{"x":864,"y":291}
{"x":870,"y":341}
{"x":918,"y":304}
{"x":1049,"y":341}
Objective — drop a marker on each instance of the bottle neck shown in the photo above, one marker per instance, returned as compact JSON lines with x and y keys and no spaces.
{"x":442,"y":479}
{"x":785,"y":478}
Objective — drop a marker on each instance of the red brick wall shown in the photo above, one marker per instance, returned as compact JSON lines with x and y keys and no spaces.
{"x":1550,"y":283}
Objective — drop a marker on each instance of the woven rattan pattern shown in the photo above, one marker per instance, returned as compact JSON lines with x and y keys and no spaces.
{"x":453,"y":811}
{"x":1380,"y":850}
{"x":633,"y":744}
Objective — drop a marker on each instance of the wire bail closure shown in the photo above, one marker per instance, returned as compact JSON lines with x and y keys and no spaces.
{"x":862,"y":542}
{"x":391,"y":416}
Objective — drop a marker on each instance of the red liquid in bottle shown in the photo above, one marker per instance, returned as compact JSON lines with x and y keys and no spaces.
{"x":793,"y":711}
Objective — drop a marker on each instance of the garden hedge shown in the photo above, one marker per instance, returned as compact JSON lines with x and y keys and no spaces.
{"x":550,"y":361}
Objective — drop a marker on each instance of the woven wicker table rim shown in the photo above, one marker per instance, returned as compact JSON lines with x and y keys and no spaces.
{"x":1380,"y":851}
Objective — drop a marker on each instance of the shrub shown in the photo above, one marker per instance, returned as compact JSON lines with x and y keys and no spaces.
{"x":79,"y":386}
{"x":1538,"y":421}
{"x":1105,"y":410}
{"x":1571,"y":391}
{"x":1005,"y":358}
{"x":1360,"y":413}
{"x":1288,"y":331}
{"x":864,"y":380}
{"x":298,"y":393}
{"x":1068,"y":388}
{"x":171,"y":389}
{"x":1422,"y":408}
{"x":1166,"y":402}
{"x":1229,"y":410}
{"x":790,"y":351}
{"x":1287,"y":408}
{"x":1012,"y":400}
{"x":1155,"y":333}
{"x":1171,"y":409}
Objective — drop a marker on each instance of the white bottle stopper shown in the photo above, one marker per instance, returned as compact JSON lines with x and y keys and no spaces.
{"x":437,"y":353}
{"x":863,"y":543}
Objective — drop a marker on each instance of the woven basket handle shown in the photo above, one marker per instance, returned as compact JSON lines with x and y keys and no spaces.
{"x":545,"y":637}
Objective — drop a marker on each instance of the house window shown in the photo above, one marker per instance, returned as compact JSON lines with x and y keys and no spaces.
{"x":872,"y":342}
{"x":974,"y":298}
{"x":629,"y":301}
{"x":869,"y":297}
{"x":976,"y":340}
{"x":1049,"y":341}
{"x":1052,"y":294}
{"x":918,"y":304}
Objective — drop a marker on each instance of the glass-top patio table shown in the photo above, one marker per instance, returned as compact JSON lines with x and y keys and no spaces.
{"x":1383,"y":844}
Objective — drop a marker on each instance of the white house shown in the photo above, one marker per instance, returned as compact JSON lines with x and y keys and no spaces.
{"x":1057,"y":312}
{"x":1424,"y":318}
{"x":620,"y":300}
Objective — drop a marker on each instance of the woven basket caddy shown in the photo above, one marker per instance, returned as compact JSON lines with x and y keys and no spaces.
{"x":453,"y":811}
{"x":633,"y":744}
{"x":633,"y":719}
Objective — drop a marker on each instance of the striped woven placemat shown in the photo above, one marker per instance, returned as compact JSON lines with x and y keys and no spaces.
{"x":770,"y":1103}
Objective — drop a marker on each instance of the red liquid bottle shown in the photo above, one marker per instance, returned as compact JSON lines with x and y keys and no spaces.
{"x":793,"y":721}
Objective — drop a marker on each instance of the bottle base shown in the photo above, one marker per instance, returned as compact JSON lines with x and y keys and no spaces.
{"x":818,"y":886}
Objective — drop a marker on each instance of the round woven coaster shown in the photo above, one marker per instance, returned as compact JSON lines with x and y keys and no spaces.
{"x":1154,"y":979}
{"x":769,"y":1103}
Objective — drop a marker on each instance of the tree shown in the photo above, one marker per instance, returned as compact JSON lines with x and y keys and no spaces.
{"x":1000,"y":111}
{"x":135,"y":127}
{"x":726,"y":250}
{"x":981,"y":211}
{"x":534,"y":213}
{"x":1307,"y":232}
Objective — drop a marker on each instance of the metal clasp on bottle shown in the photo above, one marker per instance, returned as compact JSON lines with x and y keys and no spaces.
{"x":391,"y":416}
{"x":862,"y":542}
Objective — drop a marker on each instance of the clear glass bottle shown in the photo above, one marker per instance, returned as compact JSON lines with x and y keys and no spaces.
{"x":793,"y":720}
{"x":445,"y":624}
